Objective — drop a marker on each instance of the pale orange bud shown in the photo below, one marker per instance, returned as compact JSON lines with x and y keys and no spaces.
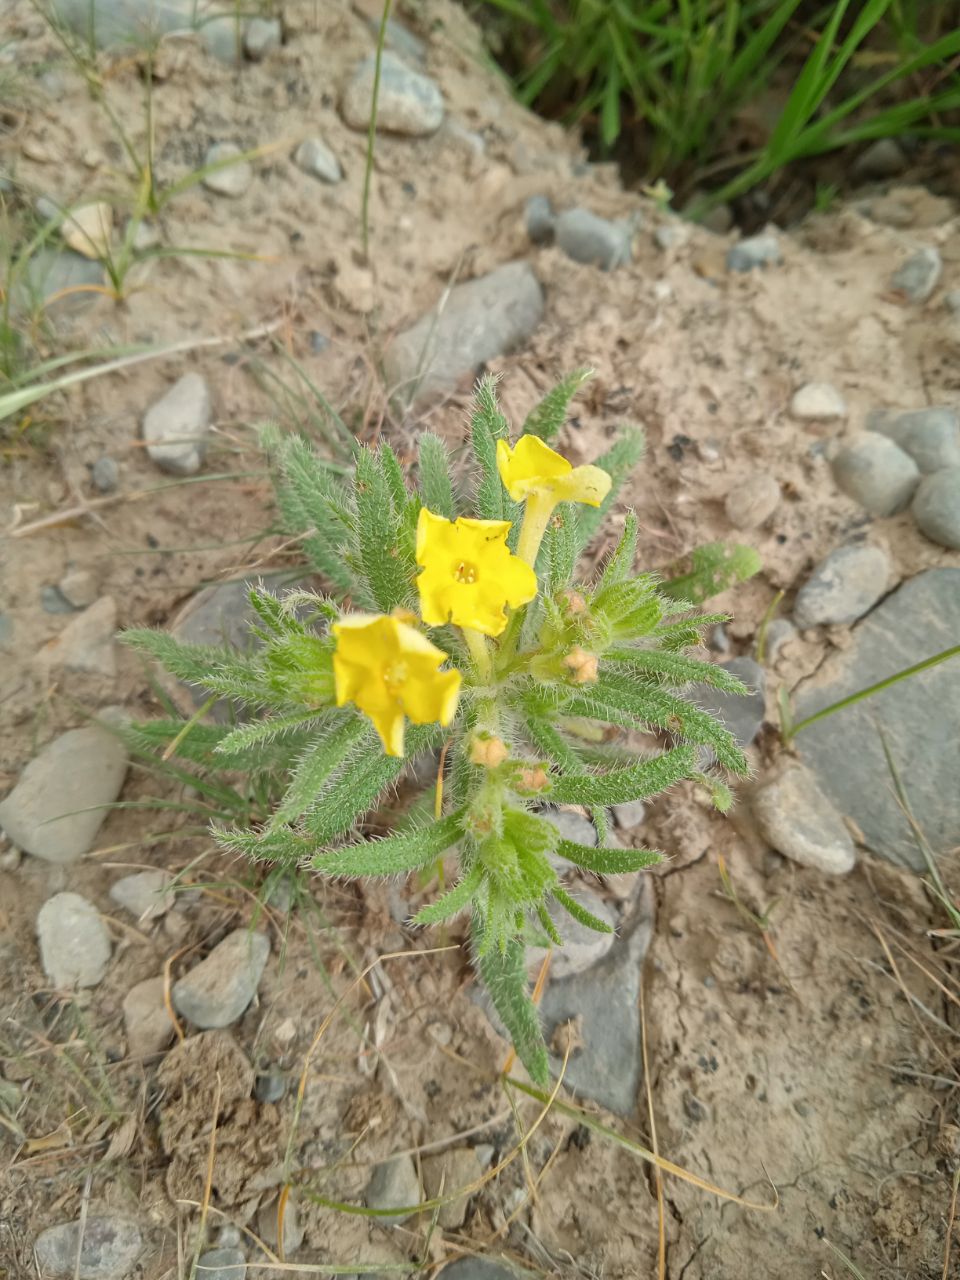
{"x":534,"y":778}
{"x":575,"y":602}
{"x":488,"y":752}
{"x":584,"y":665}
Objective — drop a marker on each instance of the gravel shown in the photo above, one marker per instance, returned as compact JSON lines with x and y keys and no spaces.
{"x":408,"y":103}
{"x":930,"y":436}
{"x":780,"y":632}
{"x":799,"y":821}
{"x":262,"y":37}
{"x":818,"y":401}
{"x":919,"y":275}
{"x":222,"y":1264}
{"x":752,"y":502}
{"x":876,"y":472}
{"x":217,"y":991}
{"x":540,"y":219}
{"x":313,"y":156}
{"x":108,"y":1246}
{"x":146,"y":894}
{"x":582,"y":946}
{"x":105,"y":474}
{"x":843,"y":587}
{"x":58,"y":805}
{"x":86,"y":644}
{"x":394,"y":1185}
{"x":74,"y":944}
{"x":233,"y":179}
{"x":145,"y":1019}
{"x":936,"y":508}
{"x":176,"y":426}
{"x":596,"y":241}
{"x":270,"y":1087}
{"x":755,"y":251}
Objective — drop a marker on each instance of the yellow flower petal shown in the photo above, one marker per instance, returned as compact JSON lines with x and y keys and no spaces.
{"x":469,"y":575}
{"x":390,"y":671}
{"x":532,"y":467}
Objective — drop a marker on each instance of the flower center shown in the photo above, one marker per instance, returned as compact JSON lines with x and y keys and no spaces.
{"x":395,"y":676}
{"x":465,"y":572}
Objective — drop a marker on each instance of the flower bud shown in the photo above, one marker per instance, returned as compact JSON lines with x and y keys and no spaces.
{"x":583,"y":665}
{"x":487,"y":751}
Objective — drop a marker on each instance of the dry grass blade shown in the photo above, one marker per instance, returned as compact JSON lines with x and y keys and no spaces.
{"x":951,"y":1218}
{"x":657,"y":1176}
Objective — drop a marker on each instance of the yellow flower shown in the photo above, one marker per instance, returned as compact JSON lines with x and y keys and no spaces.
{"x":533,"y":468}
{"x":389,"y":670}
{"x":469,"y":574}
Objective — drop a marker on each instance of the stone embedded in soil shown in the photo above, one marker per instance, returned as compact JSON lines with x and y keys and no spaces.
{"x":446,"y":1173}
{"x":476,"y":1269}
{"x":176,"y":426}
{"x":540,"y":219}
{"x":799,"y":821}
{"x":586,"y":237}
{"x":917,"y":278}
{"x":582,"y":946}
{"x":743,"y":714}
{"x":876,"y":472}
{"x":86,"y":644}
{"x":752,"y":502}
{"x":60,"y":281}
{"x":630,"y":815}
{"x":779,"y":632}
{"x":106,"y":1245}
{"x":145,"y":894}
{"x":146,"y":1020}
{"x":843,"y":587}
{"x":218,"y":990}
{"x":936,"y":508}
{"x":292,"y":1227}
{"x":394,"y":1185}
{"x":270,"y":1087}
{"x":313,"y":156}
{"x":755,"y":251}
{"x":52,"y":600}
{"x":59,"y":802}
{"x":262,"y":36}
{"x":79,"y":587}
{"x":400,"y":40}
{"x":478,"y":321}
{"x":818,"y":401}
{"x":232,"y":180}
{"x":408,"y":103}
{"x":930,"y":436}
{"x":222,"y":1264}
{"x":882,"y":159}
{"x":105,"y":474}
{"x":951,"y":300}
{"x":109,"y":23}
{"x":918,"y":717}
{"x":74,"y":945}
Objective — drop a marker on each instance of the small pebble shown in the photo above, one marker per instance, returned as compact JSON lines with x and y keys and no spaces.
{"x":951,"y":300}
{"x":262,"y":36}
{"x":818,"y":401}
{"x":313,"y":156}
{"x":146,"y":894}
{"x":587,"y":238}
{"x":270,"y":1087}
{"x":917,"y":278}
{"x":103,"y":1246}
{"x":52,"y":600}
{"x":232,"y":180}
{"x":876,"y":472}
{"x":86,"y":644}
{"x":74,"y":944}
{"x":628,"y":816}
{"x":779,"y":632}
{"x":267,"y":1221}
{"x":540,"y":219}
{"x":936,"y":508}
{"x":221,"y":1264}
{"x":755,"y":251}
{"x":145,"y":1018}
{"x":319,"y":342}
{"x":797,"y":819}
{"x":445,"y":1173}
{"x":882,"y":159}
{"x":105,"y":474}
{"x":408,"y":102}
{"x":79,"y":587}
{"x":217,"y":991}
{"x":394,"y":1185}
{"x":843,"y":587}
{"x":176,"y":426}
{"x":752,"y":502}
{"x":930,"y":436}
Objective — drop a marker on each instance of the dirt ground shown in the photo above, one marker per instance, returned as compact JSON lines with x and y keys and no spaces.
{"x":803,"y":1066}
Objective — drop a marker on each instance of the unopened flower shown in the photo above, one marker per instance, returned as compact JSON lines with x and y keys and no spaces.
{"x":469,"y":575}
{"x":574,"y":601}
{"x":390,"y":671}
{"x":583,"y":665}
{"x":488,"y":752}
{"x":533,"y":778}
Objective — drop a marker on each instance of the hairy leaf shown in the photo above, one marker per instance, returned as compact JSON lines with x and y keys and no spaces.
{"x":580,"y":912}
{"x":386,"y":569}
{"x":322,"y":757}
{"x":403,"y":851}
{"x":679,"y":669}
{"x":435,"y":482}
{"x":634,"y":782}
{"x":546,"y":419}
{"x":453,"y":901}
{"x":608,"y":862}
{"x":505,"y":977}
{"x":713,"y":568}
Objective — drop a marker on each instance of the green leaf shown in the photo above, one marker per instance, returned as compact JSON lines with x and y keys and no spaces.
{"x":386,"y":569}
{"x":401,"y":852}
{"x":608,"y":862}
{"x":679,"y":669}
{"x":393,"y":473}
{"x":580,"y":912}
{"x":284,"y":846}
{"x":619,"y":568}
{"x":635,"y":782}
{"x":505,"y":978}
{"x":487,"y":426}
{"x":546,"y":419}
{"x":619,"y":461}
{"x":562,"y":546}
{"x":713,"y":568}
{"x":435,"y":481}
{"x":311,"y":501}
{"x":323,"y":756}
{"x":452,"y":902}
{"x":217,"y":669}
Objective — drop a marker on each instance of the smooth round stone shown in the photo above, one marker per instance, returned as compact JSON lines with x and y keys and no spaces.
{"x":930,"y":436}
{"x":818,"y":401}
{"x":919,"y":275}
{"x":877,"y":473}
{"x":540,"y":219}
{"x":313,"y":156}
{"x":752,"y":503}
{"x":936,"y":508}
{"x":799,"y":821}
{"x":74,"y":944}
{"x":105,"y":474}
{"x":755,"y":251}
{"x":407,"y":103}
{"x":232,"y":179}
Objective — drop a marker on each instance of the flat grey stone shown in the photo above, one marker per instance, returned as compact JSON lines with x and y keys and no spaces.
{"x":476,"y":322}
{"x":753,"y":501}
{"x":843,"y":587}
{"x":936,"y":508}
{"x":82,"y":770}
{"x":86,"y":644}
{"x":447,"y":1172}
{"x":110,"y":1247}
{"x":930,"y":436}
{"x":919,"y":718}
{"x":586,"y":237}
{"x":218,"y":990}
{"x":222,"y":1264}
{"x":313,"y":156}
{"x":105,"y":474}
{"x":882,"y":159}
{"x":630,"y":815}
{"x":402,"y":41}
{"x":145,"y":1019}
{"x":52,"y":600}
{"x":233,"y":179}
{"x":799,"y":821}
{"x":742,"y":714}
{"x":292,"y":1227}
{"x":79,"y":587}
{"x":270,"y":1087}
{"x":540,"y":219}
{"x":479,"y":1269}
{"x":755,"y":251}
{"x":394,"y":1185}
{"x":951,"y":300}
{"x":917,"y":278}
{"x":408,"y":103}
{"x":582,"y":946}
{"x":262,"y":37}
{"x":780,"y":632}
{"x":876,"y":472}
{"x":58,"y":281}
{"x":74,"y":944}
{"x":818,"y":401}
{"x":110,"y":23}
{"x":146,"y":894}
{"x":176,"y":426}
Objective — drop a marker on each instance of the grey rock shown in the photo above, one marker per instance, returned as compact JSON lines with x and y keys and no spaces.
{"x":752,"y":502}
{"x":930,"y":436}
{"x":444,"y":1174}
{"x":10,"y":858}
{"x":917,"y":278}
{"x":78,"y":587}
{"x":755,"y":251}
{"x":951,"y":300}
{"x":408,"y":103}
{"x":477,"y":1269}
{"x":74,"y":945}
{"x":146,"y":894}
{"x":105,"y":474}
{"x":292,"y":1227}
{"x":218,"y":990}
{"x":86,"y":644}
{"x":59,"y":281}
{"x":541,"y":221}
{"x":718,"y":639}
{"x":882,"y":159}
{"x":262,"y":36}
{"x":780,"y":632}
{"x":222,"y":36}
{"x":108,"y":1245}
{"x":572,"y":826}
{"x":476,"y":322}
{"x":843,"y":587}
{"x":936,"y":508}
{"x":394,"y":1185}
{"x":110,"y":23}
{"x":313,"y":156}
{"x":876,"y":472}
{"x":222,"y":1264}
{"x":918,"y":717}
{"x":234,"y":178}
{"x":629,"y":816}
{"x":59,"y":803}
{"x":52,"y":600}
{"x":742,"y":713}
{"x":799,"y":821}
{"x":582,"y":946}
{"x":586,"y":237}
{"x":401,"y":41}
{"x":270,"y":1087}
{"x":145,"y":1019}
{"x":229,"y":1236}
{"x":818,"y":401}
{"x":719,"y":220}
{"x":176,"y":426}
